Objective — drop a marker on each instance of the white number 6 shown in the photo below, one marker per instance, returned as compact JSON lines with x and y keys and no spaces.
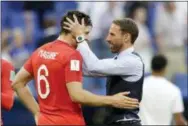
{"x":43,"y":77}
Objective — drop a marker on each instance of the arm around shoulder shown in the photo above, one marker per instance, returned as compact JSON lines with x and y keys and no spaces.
{"x":78,"y":94}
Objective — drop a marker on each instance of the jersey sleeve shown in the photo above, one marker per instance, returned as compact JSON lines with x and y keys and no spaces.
{"x":178,"y":106}
{"x":7,"y":93}
{"x":28,"y":66}
{"x":73,"y":68}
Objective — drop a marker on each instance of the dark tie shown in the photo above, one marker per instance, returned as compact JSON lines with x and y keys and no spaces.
{"x":115,"y":58}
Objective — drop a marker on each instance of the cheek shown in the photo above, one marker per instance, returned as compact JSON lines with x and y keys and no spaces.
{"x":118,"y":41}
{"x":73,"y":42}
{"x":114,"y":40}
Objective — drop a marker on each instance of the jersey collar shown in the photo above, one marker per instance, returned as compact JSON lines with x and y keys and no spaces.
{"x":64,"y":43}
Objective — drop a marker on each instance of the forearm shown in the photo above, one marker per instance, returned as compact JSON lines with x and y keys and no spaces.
{"x":88,"y":56}
{"x":92,"y":65}
{"x":181,"y":122}
{"x":86,"y":72}
{"x":7,"y":100}
{"x":28,"y":100}
{"x":104,"y":67}
{"x":179,"y":119}
{"x":88,"y":98}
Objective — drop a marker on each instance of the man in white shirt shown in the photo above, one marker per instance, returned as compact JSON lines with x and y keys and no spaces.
{"x":161,"y":100}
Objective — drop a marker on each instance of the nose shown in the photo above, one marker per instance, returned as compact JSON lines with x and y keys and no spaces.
{"x":108,"y":38}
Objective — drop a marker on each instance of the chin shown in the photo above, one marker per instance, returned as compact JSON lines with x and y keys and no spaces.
{"x":75,"y":45}
{"x":113,"y":51}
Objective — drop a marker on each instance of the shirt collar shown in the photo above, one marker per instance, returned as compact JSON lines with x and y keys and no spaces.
{"x":126,"y":51}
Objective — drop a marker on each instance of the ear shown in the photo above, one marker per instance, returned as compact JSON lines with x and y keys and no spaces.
{"x":126,"y":37}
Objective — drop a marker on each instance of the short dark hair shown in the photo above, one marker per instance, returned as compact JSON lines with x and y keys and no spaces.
{"x":159,"y":62}
{"x":79,"y":16}
{"x":129,"y":26}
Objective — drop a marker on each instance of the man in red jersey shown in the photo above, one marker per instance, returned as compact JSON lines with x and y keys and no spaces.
{"x":7,"y":76}
{"x":57,"y":70}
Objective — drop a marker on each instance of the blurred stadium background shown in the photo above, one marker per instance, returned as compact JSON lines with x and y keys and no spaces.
{"x":163,"y":29}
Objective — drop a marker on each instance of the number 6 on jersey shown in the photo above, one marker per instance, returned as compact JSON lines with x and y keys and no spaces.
{"x":40,"y":78}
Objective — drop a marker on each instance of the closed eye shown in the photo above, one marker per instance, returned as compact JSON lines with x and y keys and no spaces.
{"x":86,"y":33}
{"x":112,"y":34}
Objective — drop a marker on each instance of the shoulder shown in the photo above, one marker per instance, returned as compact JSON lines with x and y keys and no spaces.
{"x":6,"y":67}
{"x":136,"y":56}
{"x":132,"y":60}
{"x":69,"y":54}
{"x":39,"y":49}
{"x":149,"y":81}
{"x":60,"y":47}
{"x":76,"y":54}
{"x":175,"y":92}
{"x":173,"y":88}
{"x":133,"y":57}
{"x":6,"y":63}
{"x":46,"y":45}
{"x":148,"y":78}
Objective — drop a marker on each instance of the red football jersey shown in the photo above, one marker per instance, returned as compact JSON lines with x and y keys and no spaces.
{"x":7,"y":76}
{"x":53,"y":66}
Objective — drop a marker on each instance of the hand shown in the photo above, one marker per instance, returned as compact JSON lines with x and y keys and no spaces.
{"x":36,"y":117}
{"x":121,"y":101}
{"x":74,"y":26}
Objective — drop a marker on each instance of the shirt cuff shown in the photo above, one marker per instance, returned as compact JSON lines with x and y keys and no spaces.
{"x":82,"y":45}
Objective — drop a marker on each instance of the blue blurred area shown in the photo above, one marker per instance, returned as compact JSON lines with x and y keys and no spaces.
{"x":33,"y":19}
{"x":18,"y":115}
{"x":181,"y":80}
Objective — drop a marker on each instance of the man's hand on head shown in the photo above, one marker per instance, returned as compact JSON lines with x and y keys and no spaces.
{"x":75,"y":27}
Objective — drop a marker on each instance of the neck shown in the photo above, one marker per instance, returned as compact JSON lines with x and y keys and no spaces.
{"x":158,"y":74}
{"x":66,"y":39}
{"x":125,"y":46}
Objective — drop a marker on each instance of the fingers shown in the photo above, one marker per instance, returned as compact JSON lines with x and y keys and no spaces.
{"x":130,"y":99}
{"x":127,"y":98}
{"x":72,"y":22}
{"x":132,"y":102}
{"x":83,"y":21}
{"x":126,"y":106}
{"x":130,"y":107}
{"x":75,"y":19}
{"x":125,"y":93}
{"x":67,"y":28}
{"x":66,"y":23}
{"x":69,"y":20}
